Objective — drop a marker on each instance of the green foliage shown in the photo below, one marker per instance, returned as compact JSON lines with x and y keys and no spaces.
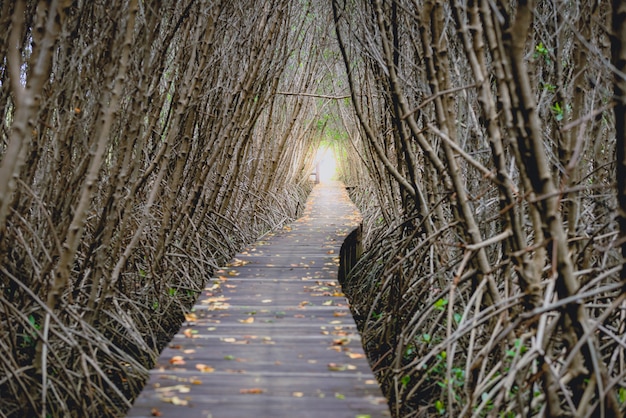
{"x":542,"y":52}
{"x":440,"y":407}
{"x":548,"y":86}
{"x":441,"y":304}
{"x":557,"y":110}
{"x":621,"y":395}
{"x":29,"y":338}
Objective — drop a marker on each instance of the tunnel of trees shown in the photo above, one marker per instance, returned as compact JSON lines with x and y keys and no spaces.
{"x":145,"y":142}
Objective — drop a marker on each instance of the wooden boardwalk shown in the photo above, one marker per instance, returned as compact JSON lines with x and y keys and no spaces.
{"x":272,"y":335}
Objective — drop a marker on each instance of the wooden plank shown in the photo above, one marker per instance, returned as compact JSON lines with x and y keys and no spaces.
{"x":272,"y":334}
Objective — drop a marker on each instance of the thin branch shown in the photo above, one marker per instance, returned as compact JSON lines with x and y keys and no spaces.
{"x":319,"y":96}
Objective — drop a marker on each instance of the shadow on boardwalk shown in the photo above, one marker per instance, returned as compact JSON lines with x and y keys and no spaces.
{"x":272,"y":334}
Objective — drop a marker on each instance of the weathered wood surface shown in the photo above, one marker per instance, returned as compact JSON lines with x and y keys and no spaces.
{"x":272,"y":334}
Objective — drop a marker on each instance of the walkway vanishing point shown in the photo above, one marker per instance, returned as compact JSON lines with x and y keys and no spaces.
{"x":272,"y":335}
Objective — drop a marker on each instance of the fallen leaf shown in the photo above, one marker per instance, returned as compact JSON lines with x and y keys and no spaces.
{"x":190,"y":317}
{"x":175,"y":400}
{"x":177,"y":360}
{"x":252,"y":391}
{"x":355,"y":355}
{"x":338,"y":314}
{"x":237,"y":262}
{"x":217,"y":299}
{"x":247,"y":321}
{"x":204,"y":368}
{"x":229,"y":340}
{"x":297,"y":394}
{"x":334,"y":367}
{"x":175,"y":388}
{"x":190,"y":333}
{"x":155,"y":412}
{"x":266,"y":301}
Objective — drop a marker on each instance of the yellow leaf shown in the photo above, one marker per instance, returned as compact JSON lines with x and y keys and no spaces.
{"x":190,"y":333}
{"x":247,"y":321}
{"x":252,"y":391}
{"x":355,"y":355}
{"x":175,"y":400}
{"x":177,"y":360}
{"x":204,"y":368}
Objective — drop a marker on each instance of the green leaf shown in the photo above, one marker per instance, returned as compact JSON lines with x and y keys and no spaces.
{"x":621,"y":394}
{"x":33,"y":322}
{"x":441,"y":304}
{"x":439,"y":406}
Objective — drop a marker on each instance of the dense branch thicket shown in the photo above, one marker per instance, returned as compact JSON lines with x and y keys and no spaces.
{"x":489,"y":138}
{"x":142,"y":143}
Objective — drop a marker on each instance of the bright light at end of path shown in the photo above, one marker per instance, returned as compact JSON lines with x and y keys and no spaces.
{"x":326,"y":164}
